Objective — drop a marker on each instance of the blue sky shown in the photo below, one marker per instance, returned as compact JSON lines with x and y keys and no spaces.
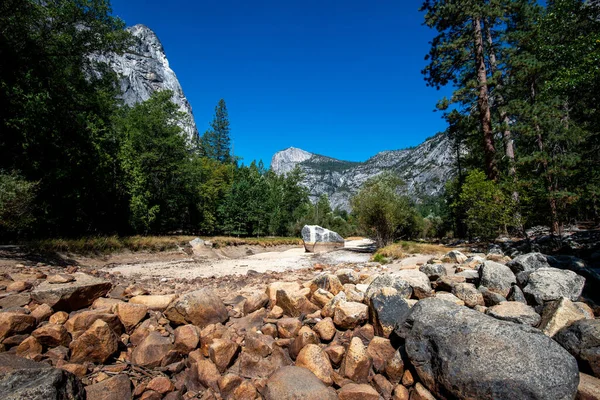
{"x":339,"y":78}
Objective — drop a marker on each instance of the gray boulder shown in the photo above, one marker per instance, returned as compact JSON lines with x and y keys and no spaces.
{"x":548,"y":284}
{"x":491,"y":298}
{"x":381,"y":281}
{"x":522,"y":266}
{"x":461,"y":353}
{"x":318,"y":240}
{"x":201,"y":308}
{"x":582,"y":340}
{"x":496,"y":277}
{"x":433,"y":271}
{"x":387,"y":308}
{"x":25,"y":379}
{"x":516,"y":294}
{"x":71,"y":296}
{"x":515,"y":312}
{"x":418,"y":281}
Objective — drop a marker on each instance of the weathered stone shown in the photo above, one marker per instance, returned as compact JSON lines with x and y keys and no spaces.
{"x":348,"y":315}
{"x":403,"y":287}
{"x":491,"y":298}
{"x":445,"y":283}
{"x":387,"y":308}
{"x":15,"y":300}
{"x":458,"y":352}
{"x":335,"y":352}
{"x":154,"y":302}
{"x":400,"y":393}
{"x":582,"y":340}
{"x":523,"y":265}
{"x":455,"y":257}
{"x":245,"y":391}
{"x":143,"y":330}
{"x":321,"y":297}
{"x":152,"y":350}
{"x":418,"y":281}
{"x":381,"y":351}
{"x":516,"y":294}
{"x":515,"y":312}
{"x":548,"y":284}
{"x":420,"y":392}
{"x":60,"y":278}
{"x":255,"y":302}
{"x":293,"y":383}
{"x":222,"y":352}
{"x":326,"y":281}
{"x":294,"y":304}
{"x":313,"y":358}
{"x":25,"y":379}
{"x":433,"y":271}
{"x":347,"y":275}
{"x":325,"y":329}
{"x":131,"y":314}
{"x":208,"y":374}
{"x":449,"y":297}
{"x":59,"y":318}
{"x":160,"y":384}
{"x":589,"y":387}
{"x":12,"y":323}
{"x":52,"y":335}
{"x":562,"y":313}
{"x":357,"y":363}
{"x":305,"y":337}
{"x":96,"y":344}
{"x":468,"y":293}
{"x":42,"y":313}
{"x":288,"y":327}
{"x":365,"y":333}
{"x":71,"y":296}
{"x":394,"y":368}
{"x":79,"y":322}
{"x":187,"y":338}
{"x":18,"y":286}
{"x":470,"y":275}
{"x":29,"y":348}
{"x":407,"y":379}
{"x":496,"y":277}
{"x":273,"y":287}
{"x":78,"y":370}
{"x":228,"y":383}
{"x":383,"y":386}
{"x":116,"y":388}
{"x":201,"y":308}
{"x":353,"y":391}
{"x":329,"y":308}
{"x":318,"y":240}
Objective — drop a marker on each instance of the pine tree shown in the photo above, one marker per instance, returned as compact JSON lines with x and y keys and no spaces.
{"x":216,"y":142}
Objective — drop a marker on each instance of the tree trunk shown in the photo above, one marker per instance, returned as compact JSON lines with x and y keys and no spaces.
{"x":483,"y":103}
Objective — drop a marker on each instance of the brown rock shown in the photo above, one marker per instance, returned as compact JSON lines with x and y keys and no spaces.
{"x":468,"y":293}
{"x":288,"y":327}
{"x":366,"y":333}
{"x":154,"y":302}
{"x":143,"y":330}
{"x":348,"y":315}
{"x":273,"y":287}
{"x":15,"y":300}
{"x":96,"y":344}
{"x":381,"y":351}
{"x":353,"y":391}
{"x":335,"y":353}
{"x":328,"y":282}
{"x":71,"y":296}
{"x":269,"y":329}
{"x":561,"y":313}
{"x":228,"y":383}
{"x":245,"y":391}
{"x":400,"y":393}
{"x":130,"y":314}
{"x":208,"y":374}
{"x":294,"y":383}
{"x":150,"y":395}
{"x":152,"y":350}
{"x":329,"y":308}
{"x":260,"y":345}
{"x":18,"y":286}
{"x":12,"y":323}
{"x":79,"y":322}
{"x":305,"y":336}
{"x":394,"y":368}
{"x":255,"y":302}
{"x":325,"y":329}
{"x":116,"y":388}
{"x":201,"y":308}
{"x":275,"y":313}
{"x":357,"y":363}
{"x":103,"y":303}
{"x":294,"y":304}
{"x":222,"y":352}
{"x":321,"y":297}
{"x":589,"y":387}
{"x":42,"y":313}
{"x":445,"y":283}
{"x":76,"y":369}
{"x":383,"y":386}
{"x":59,"y":318}
{"x":52,"y":335}
{"x":29,"y":348}
{"x":407,"y":379}
{"x":313,"y":358}
{"x":161,"y":385}
{"x":187,"y":338}
{"x":60,"y":278}
{"x":421,"y":393}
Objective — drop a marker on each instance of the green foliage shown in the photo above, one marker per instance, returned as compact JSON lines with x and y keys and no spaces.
{"x":216,"y":142}
{"x":488,"y":209}
{"x":16,"y":203}
{"x":384,"y":214}
{"x":320,"y":213}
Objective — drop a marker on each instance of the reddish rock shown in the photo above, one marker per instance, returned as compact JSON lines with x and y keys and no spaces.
{"x":52,"y":335}
{"x":383,"y":386}
{"x":313,"y":358}
{"x":294,"y":383}
{"x":400,"y":393}
{"x":116,"y":388}
{"x":59,"y":318}
{"x":18,"y":286}
{"x":328,"y":282}
{"x":357,"y":363}
{"x":143,"y":330}
{"x":325,"y":329}
{"x":294,"y":304}
{"x":245,"y":391}
{"x":130,"y":314}
{"x":208,"y":374}
{"x":288,"y":327}
{"x":12,"y":323}
{"x":79,"y":322}
{"x":187,"y":338}
{"x":349,"y":315}
{"x":42,"y":313}
{"x":152,"y":350}
{"x":154,"y":302}
{"x":335,"y":353}
{"x":79,"y":370}
{"x":72,"y":295}
{"x":255,"y":302}
{"x":222,"y":352}
{"x":305,"y":336}
{"x":60,"y":278}
{"x":29,"y":348}
{"x":421,"y":393}
{"x":321,"y":297}
{"x":381,"y":351}
{"x":407,"y":379}
{"x":201,"y":308}
{"x":273,"y":287}
{"x":104,"y":303}
{"x":353,"y":391}
{"x":228,"y":383}
{"x":96,"y":344}
{"x":161,"y":385}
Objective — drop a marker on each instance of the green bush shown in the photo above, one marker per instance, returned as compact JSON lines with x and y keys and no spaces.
{"x":16,"y":203}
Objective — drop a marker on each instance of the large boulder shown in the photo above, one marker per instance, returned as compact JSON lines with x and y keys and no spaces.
{"x":522,"y":266}
{"x":515,"y":312}
{"x":582,"y":340}
{"x":561,"y":313}
{"x":454,"y":256}
{"x":386,"y":309}
{"x":71,"y":296}
{"x":319,"y":240}
{"x":295,"y":383}
{"x":96,"y":344}
{"x":461,"y":353}
{"x":404,"y":289}
{"x":116,"y":388}
{"x":549,"y":284}
{"x":498,"y":278}
{"x":201,"y":308}
{"x":26,"y":379}
{"x":418,"y":281}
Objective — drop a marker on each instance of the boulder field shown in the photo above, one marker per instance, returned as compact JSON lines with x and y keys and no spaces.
{"x":461,"y":327}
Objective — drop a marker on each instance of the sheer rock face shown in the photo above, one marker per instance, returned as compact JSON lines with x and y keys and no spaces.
{"x":425,"y":169}
{"x":144,"y":69}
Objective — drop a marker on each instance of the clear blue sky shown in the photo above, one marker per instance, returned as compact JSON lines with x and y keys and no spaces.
{"x":339,"y":78}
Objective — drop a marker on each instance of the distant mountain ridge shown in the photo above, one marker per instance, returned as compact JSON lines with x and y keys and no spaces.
{"x":144,"y":69}
{"x":425,"y":168}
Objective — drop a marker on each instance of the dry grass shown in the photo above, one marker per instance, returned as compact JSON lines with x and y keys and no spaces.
{"x":401,"y":249}
{"x":114,"y":244}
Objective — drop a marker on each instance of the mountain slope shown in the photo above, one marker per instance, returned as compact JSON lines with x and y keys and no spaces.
{"x":425,"y":169}
{"x":145,"y":69}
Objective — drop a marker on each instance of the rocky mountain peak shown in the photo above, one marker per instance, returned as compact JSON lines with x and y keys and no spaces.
{"x":284,"y":161}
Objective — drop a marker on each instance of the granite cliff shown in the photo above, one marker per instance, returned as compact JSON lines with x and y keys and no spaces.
{"x":425,"y":169}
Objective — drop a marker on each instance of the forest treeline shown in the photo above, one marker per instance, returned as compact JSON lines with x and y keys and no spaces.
{"x":523,"y":119}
